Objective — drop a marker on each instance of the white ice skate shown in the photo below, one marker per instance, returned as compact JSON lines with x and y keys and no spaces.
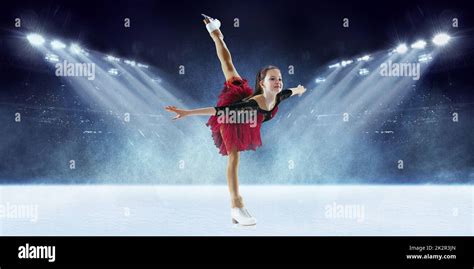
{"x":213,"y":24}
{"x":242,"y":217}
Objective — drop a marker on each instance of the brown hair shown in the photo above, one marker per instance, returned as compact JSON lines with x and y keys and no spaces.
{"x":260,"y":76}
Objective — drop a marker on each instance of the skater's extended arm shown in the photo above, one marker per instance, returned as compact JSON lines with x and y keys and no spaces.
{"x":181,"y":113}
{"x":243,"y":105}
{"x":287,"y":93}
{"x":211,"y":111}
{"x":299,"y":90}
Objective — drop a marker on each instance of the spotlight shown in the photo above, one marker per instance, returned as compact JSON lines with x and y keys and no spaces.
{"x":142,"y":65}
{"x":401,"y":49}
{"x":35,"y":39}
{"x":363,"y":71}
{"x":56,"y":44}
{"x":113,"y":71}
{"x":320,"y":80}
{"x":52,"y":58}
{"x":112,"y":58}
{"x":424,"y":58}
{"x":441,"y":39}
{"x":420,"y":44}
{"x":344,"y":63}
{"x":365,"y":58}
{"x":336,"y":65}
{"x":132,"y":63}
{"x":74,"y":48}
{"x":156,"y":80}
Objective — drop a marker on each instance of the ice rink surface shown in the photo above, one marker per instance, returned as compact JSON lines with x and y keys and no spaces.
{"x":204,"y":210}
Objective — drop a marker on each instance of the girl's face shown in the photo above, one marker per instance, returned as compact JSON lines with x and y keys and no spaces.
{"x":272,"y":81}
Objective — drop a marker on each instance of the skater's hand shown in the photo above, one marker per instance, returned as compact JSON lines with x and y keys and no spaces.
{"x":180,"y":113}
{"x":299,"y":90}
{"x":216,"y":34}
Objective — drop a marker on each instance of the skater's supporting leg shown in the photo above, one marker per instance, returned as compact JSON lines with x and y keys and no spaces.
{"x":232,"y":178}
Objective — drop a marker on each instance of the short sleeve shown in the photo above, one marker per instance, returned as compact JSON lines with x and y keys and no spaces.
{"x":284,"y":94}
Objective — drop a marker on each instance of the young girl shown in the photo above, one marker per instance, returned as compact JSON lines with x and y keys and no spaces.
{"x":236,"y":120}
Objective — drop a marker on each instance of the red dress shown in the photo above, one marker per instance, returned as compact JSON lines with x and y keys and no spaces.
{"x":242,"y":136}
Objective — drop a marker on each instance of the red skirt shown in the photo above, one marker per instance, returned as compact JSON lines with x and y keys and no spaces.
{"x":241,"y":136}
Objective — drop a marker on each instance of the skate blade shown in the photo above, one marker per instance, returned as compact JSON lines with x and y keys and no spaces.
{"x":206,"y":17}
{"x":248,"y":226}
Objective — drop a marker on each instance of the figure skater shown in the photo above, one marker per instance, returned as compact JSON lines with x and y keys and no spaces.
{"x":237,"y":99}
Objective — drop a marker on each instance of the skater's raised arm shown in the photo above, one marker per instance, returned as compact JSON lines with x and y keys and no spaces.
{"x":223,"y":52}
